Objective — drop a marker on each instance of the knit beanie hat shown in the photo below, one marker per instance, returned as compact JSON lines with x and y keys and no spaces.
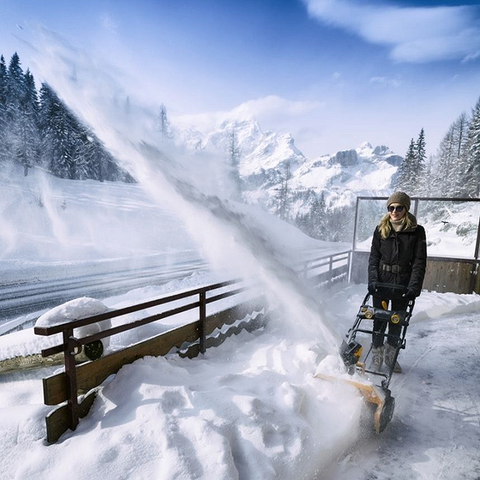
{"x":401,"y":198}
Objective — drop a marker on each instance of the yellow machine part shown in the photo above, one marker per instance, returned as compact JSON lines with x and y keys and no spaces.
{"x":370,"y":393}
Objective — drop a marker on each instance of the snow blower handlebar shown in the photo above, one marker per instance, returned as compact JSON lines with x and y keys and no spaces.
{"x":388,"y":291}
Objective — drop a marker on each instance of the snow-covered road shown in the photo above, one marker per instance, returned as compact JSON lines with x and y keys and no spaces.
{"x":21,"y":296}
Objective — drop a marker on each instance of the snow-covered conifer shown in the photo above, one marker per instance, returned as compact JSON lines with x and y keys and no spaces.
{"x":282,"y":199}
{"x":164,"y":123}
{"x":234,"y":155}
{"x":26,"y":149}
{"x":472,"y":163}
{"x":418,"y":180}
{"x":14,"y":93}
{"x":3,"y":121}
{"x":59,"y":138}
{"x":405,"y":170}
{"x":318,"y":217}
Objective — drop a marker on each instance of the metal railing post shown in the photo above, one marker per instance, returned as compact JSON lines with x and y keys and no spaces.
{"x":477,"y":244}
{"x":415,"y":206}
{"x":70,"y":370}
{"x":349,"y":266}
{"x":354,"y":243}
{"x":203,"y":321}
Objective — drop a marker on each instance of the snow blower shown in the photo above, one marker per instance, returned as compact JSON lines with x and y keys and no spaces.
{"x":374,"y":385}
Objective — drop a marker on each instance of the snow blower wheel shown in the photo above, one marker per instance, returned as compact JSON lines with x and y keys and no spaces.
{"x":94,"y":350}
{"x":385,"y":414}
{"x":372,"y":383}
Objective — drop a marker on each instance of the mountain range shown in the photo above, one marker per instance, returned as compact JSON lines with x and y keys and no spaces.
{"x":268,"y":160}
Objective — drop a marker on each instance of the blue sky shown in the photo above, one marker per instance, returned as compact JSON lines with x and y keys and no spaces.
{"x":334,"y":73}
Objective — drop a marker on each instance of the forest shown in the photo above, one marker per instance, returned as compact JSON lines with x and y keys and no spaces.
{"x":38,"y":129}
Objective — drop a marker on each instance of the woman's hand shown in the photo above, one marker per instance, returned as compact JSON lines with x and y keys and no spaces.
{"x":409,"y":294}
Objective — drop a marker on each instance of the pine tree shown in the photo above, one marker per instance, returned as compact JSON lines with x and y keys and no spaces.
{"x":418,"y":180}
{"x":405,"y":170}
{"x":318,"y":217}
{"x":432,"y":187}
{"x":460,"y":133}
{"x":446,"y":159}
{"x":59,"y":136}
{"x":26,"y":150}
{"x":448,"y":178}
{"x":164,"y":123}
{"x":85,"y":155}
{"x":472,"y":163}
{"x":3,"y":119}
{"x":234,"y":155}
{"x":410,"y":176}
{"x":282,"y":198}
{"x":14,"y":93}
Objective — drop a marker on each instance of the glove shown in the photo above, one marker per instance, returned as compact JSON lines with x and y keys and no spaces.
{"x":372,"y":288}
{"x":409,"y":294}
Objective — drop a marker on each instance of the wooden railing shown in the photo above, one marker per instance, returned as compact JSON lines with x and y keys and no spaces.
{"x":189,"y":339}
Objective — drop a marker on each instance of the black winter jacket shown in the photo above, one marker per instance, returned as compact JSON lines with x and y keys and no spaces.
{"x":407,"y":249}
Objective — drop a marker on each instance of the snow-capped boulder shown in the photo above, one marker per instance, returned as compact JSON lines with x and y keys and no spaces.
{"x":78,"y":309}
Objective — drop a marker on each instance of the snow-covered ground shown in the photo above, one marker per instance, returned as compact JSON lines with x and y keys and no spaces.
{"x":252,"y":408}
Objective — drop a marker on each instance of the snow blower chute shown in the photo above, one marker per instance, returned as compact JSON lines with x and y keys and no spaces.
{"x":373,"y":385}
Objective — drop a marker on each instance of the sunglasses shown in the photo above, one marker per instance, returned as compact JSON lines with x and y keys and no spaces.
{"x":398,"y":208}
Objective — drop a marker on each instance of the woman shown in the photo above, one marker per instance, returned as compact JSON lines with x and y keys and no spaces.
{"x":398,"y":256}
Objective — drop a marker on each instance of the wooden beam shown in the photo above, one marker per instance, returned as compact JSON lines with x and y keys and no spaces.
{"x":92,"y":374}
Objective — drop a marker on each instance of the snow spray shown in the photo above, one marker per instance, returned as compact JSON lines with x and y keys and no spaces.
{"x":225,"y":235}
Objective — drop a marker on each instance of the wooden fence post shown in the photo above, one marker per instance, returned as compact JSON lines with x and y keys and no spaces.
{"x":71,"y":374}
{"x":203,"y":321}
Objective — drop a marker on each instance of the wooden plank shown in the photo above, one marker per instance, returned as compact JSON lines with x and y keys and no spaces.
{"x":449,"y":276}
{"x":58,"y":420}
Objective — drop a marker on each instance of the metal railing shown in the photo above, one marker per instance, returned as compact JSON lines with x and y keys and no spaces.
{"x":444,"y":273}
{"x":86,"y":376}
{"x":415,"y":204}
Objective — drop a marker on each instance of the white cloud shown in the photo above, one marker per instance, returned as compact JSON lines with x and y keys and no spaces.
{"x":271,"y":111}
{"x":472,"y":56}
{"x":415,"y":34}
{"x":386,"y":81}
{"x":108,"y":23}
{"x":273,"y":105}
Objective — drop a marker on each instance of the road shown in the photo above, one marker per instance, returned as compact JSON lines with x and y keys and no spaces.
{"x":21,"y":296}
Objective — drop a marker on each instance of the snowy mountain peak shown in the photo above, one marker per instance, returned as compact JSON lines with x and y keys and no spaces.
{"x":274,"y":151}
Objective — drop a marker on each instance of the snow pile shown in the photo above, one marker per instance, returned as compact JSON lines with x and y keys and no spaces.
{"x":252,"y":408}
{"x":78,"y":309}
{"x":73,"y":310}
{"x":248,"y":409}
